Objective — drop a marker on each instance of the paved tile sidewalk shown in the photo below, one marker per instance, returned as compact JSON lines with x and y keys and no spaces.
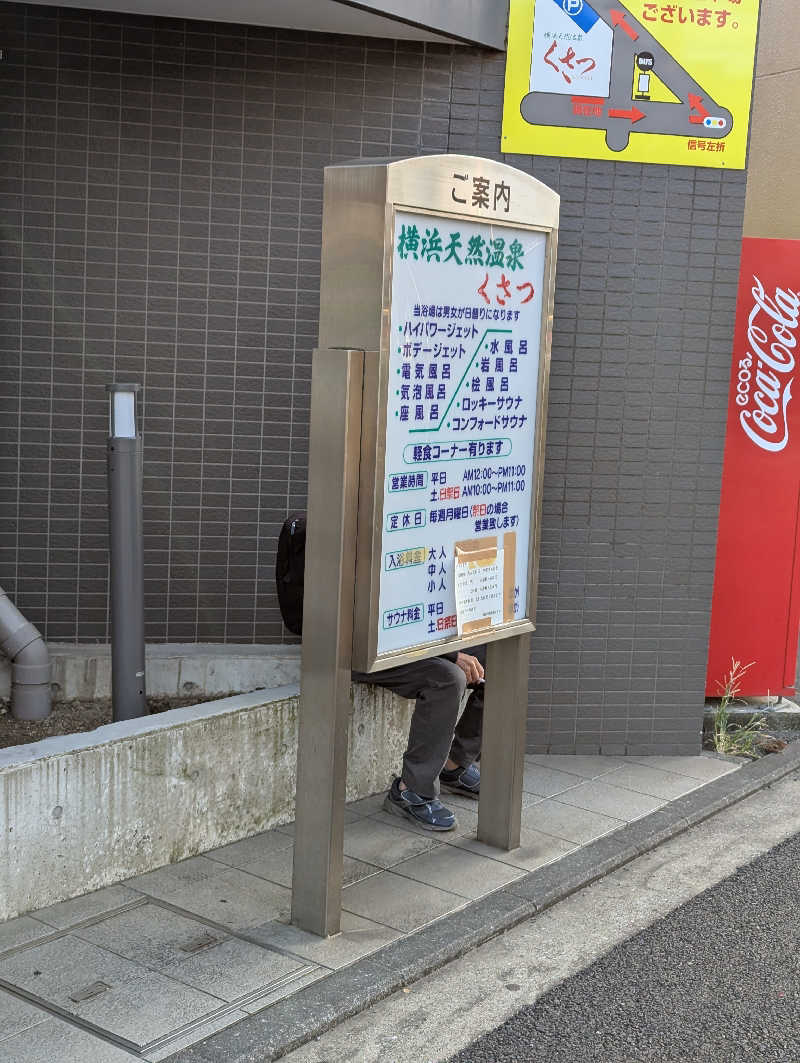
{"x":142,"y":969}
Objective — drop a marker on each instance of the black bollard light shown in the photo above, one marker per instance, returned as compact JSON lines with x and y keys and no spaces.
{"x":126,"y":554}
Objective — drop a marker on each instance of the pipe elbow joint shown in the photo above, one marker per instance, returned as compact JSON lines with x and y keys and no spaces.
{"x":27,"y":651}
{"x":35,"y":654}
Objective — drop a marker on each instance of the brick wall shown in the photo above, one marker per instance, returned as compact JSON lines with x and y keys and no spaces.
{"x":160,"y":218}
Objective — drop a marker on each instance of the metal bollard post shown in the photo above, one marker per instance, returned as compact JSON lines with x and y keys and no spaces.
{"x":126,"y":554}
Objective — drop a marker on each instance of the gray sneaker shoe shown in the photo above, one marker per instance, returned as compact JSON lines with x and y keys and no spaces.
{"x":466,"y":781}
{"x":428,"y":813}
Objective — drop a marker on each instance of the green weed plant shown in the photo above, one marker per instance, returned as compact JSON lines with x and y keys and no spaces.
{"x":738,"y":739}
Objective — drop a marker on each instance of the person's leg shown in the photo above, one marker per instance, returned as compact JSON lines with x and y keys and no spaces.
{"x":438,"y":686}
{"x":461,"y":774}
{"x":466,"y":745}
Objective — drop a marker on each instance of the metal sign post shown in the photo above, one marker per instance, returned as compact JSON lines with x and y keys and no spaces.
{"x":425,"y":468}
{"x":327,"y":637}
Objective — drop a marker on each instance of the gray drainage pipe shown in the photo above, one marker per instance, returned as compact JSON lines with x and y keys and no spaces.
{"x":26,"y":649}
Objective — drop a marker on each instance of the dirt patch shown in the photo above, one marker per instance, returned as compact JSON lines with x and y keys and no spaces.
{"x":71,"y":717}
{"x":773,"y":741}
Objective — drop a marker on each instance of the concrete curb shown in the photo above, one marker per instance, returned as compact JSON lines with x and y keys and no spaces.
{"x":296,"y":1020}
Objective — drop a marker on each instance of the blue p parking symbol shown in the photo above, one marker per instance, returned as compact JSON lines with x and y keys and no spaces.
{"x":582,"y":14}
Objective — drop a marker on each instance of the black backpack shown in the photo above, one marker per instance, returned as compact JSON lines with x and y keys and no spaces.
{"x":290,"y":564}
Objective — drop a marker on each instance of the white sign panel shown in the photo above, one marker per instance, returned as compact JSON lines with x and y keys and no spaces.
{"x":575,"y":29}
{"x":461,"y":421}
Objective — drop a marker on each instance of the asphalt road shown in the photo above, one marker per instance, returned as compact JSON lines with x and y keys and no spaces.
{"x":716,"y":981}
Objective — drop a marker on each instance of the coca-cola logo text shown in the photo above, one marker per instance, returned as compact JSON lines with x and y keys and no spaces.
{"x":771,"y":352}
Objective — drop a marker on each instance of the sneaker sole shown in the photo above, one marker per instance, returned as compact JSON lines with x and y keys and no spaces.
{"x":398,"y":810}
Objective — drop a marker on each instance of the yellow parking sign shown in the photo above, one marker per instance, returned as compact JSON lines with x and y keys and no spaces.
{"x":650,"y":81}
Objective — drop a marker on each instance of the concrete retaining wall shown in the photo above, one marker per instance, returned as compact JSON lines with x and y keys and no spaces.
{"x":172,"y":668}
{"x":83,"y":811}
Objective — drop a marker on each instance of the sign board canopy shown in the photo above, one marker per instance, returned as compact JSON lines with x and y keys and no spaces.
{"x":441,"y":270}
{"x":646,"y":82}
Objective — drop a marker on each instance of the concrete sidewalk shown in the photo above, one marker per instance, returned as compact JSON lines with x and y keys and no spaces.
{"x":162,"y":962}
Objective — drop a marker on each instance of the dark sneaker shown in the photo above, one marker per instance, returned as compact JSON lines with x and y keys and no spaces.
{"x":430,"y":814}
{"x":466,"y":781}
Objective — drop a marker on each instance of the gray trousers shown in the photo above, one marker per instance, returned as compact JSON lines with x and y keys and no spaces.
{"x":436,"y":732}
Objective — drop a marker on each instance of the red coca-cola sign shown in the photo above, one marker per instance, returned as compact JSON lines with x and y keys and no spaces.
{"x":764,"y":379}
{"x":755,"y":612}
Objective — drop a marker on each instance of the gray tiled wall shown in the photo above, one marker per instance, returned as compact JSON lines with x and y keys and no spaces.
{"x":160,"y":212}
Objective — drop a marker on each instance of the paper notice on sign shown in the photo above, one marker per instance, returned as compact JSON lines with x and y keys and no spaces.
{"x":479,"y":589}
